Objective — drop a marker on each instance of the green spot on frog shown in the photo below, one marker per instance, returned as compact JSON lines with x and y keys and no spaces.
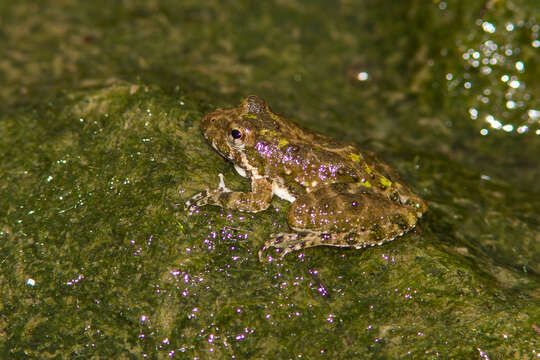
{"x":364,"y":183}
{"x":282,"y":142}
{"x":355,"y":157}
{"x":267,"y":132}
{"x":385,"y":182}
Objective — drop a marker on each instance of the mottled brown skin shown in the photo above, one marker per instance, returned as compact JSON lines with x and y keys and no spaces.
{"x":340,"y":195}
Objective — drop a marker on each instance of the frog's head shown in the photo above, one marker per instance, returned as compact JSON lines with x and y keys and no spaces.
{"x":233,"y":132}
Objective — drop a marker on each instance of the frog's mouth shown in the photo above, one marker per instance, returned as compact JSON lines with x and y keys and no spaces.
{"x":218,"y":150}
{"x":226,"y":156}
{"x":237,"y":158}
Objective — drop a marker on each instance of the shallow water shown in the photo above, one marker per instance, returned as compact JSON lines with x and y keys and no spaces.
{"x":101,"y":147}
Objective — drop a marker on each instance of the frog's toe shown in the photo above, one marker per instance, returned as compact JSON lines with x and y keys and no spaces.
{"x":196,"y":200}
{"x":268,"y":246}
{"x":288,"y":250}
{"x":278,"y":238}
{"x":260,"y":253}
{"x":286,"y":242}
{"x":275,"y":240}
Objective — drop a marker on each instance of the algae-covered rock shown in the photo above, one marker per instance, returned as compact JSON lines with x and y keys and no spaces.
{"x":100,"y":147}
{"x":100,"y":259}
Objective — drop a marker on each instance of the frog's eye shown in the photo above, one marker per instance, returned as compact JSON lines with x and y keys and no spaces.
{"x":236,"y":134}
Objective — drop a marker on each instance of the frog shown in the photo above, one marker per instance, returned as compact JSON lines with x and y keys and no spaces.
{"x":339,"y":194}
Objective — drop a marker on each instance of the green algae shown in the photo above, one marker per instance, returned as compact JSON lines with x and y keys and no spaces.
{"x":101,"y":148}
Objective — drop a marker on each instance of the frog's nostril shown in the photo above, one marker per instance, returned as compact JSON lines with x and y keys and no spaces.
{"x":207,"y":120}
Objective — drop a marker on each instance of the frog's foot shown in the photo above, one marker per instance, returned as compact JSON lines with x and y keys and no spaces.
{"x":292,"y":242}
{"x":194,"y":200}
{"x":201,"y":199}
{"x":207,"y":196}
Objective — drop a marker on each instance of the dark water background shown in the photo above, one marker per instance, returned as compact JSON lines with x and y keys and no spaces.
{"x":100,"y":147}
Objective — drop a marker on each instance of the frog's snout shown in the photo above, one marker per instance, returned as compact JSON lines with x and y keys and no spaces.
{"x":211,"y":125}
{"x":207,"y":120}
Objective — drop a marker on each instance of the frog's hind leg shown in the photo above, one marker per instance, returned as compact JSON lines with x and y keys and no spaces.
{"x":289,"y":242}
{"x":345,"y":215}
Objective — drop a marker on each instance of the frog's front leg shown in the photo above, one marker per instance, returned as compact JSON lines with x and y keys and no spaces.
{"x":257,"y":199}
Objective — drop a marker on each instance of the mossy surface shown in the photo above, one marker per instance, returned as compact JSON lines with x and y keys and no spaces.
{"x":101,"y":147}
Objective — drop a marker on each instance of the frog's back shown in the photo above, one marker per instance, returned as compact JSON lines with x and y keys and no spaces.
{"x":366,"y":170}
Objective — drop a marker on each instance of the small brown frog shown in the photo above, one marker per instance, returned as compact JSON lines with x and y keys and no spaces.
{"x":340,"y":195}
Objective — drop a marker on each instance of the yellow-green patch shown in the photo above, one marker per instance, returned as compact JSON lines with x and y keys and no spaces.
{"x":354,"y":157}
{"x":385,"y":182}
{"x":364,"y":183}
{"x":282,"y":142}
{"x":268,"y":132}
